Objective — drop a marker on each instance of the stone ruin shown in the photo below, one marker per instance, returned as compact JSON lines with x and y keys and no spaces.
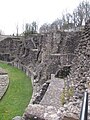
{"x":79,"y":76}
{"x":45,"y":58}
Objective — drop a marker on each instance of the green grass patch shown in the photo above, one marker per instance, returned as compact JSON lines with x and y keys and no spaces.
{"x":62,"y":98}
{"x":18,"y":94}
{"x":66,"y":94}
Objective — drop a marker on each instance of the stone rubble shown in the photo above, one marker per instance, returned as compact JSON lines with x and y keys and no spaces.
{"x":42,"y":112}
{"x":80,"y":70}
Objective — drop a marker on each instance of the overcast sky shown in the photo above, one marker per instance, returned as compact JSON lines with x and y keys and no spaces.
{"x":13,"y":12}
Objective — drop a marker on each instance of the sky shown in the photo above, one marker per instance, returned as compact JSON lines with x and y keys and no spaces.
{"x":19,"y":12}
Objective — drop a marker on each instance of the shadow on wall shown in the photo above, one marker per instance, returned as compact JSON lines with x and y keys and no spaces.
{"x":63,"y":72}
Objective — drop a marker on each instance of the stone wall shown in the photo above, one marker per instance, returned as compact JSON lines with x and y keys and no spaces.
{"x":79,"y":77}
{"x":43,"y":55}
{"x":80,"y":64}
{"x":57,"y":49}
{"x":9,"y":48}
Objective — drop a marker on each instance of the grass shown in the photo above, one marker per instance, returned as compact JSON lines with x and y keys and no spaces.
{"x":71,"y":91}
{"x":62,"y":98}
{"x":18,"y":94}
{"x":66,"y":94}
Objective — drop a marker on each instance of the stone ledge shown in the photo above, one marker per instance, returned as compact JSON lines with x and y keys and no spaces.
{"x":4,"y":83}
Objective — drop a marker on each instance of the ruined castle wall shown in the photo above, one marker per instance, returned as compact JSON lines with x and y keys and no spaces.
{"x":42,"y":54}
{"x":8,"y":49}
{"x":79,"y":77}
{"x":81,"y":63}
{"x":38,"y":48}
{"x":57,"y":50}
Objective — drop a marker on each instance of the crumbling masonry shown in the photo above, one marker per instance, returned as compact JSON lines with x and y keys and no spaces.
{"x":43,"y":57}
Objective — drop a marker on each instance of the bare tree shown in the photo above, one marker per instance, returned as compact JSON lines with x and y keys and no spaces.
{"x":30,"y":29}
{"x":17,"y":30}
{"x":1,"y":32}
{"x":74,"y":19}
{"x":82,"y":13}
{"x":44,"y":28}
{"x":57,"y":24}
{"x":70,"y":21}
{"x":34,"y":27}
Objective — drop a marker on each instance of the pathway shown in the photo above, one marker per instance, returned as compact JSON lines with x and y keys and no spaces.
{"x":53,"y":93}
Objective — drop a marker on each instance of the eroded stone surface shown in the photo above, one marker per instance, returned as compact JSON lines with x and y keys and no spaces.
{"x":4,"y":82}
{"x":18,"y":118}
{"x":80,"y":71}
{"x":42,"y":112}
{"x":53,"y":94}
{"x":48,"y":109}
